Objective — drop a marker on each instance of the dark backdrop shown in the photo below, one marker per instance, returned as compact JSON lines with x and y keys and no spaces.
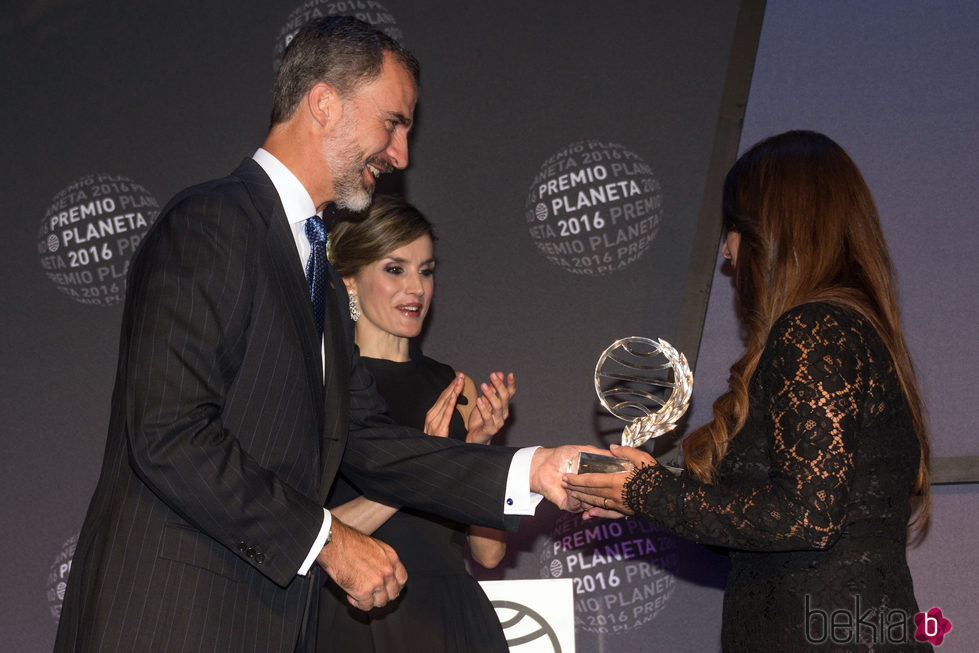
{"x":570,"y":155}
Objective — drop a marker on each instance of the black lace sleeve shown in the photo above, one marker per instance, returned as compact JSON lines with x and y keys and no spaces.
{"x":806,"y":397}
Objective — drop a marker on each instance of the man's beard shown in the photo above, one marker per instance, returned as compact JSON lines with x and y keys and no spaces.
{"x":349,"y":190}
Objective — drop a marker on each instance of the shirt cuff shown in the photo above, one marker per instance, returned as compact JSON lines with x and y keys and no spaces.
{"x":318,"y":543}
{"x":519,"y":499}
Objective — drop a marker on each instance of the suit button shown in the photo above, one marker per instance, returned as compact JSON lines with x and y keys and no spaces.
{"x":260,"y":557}
{"x":242,"y":546}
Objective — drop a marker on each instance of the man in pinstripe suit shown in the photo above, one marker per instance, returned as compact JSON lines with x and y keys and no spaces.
{"x":231,"y":416}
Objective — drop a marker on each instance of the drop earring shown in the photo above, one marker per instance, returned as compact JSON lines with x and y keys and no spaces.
{"x":354,"y":308}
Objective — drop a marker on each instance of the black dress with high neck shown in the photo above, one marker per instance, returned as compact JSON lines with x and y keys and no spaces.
{"x":441,"y":609}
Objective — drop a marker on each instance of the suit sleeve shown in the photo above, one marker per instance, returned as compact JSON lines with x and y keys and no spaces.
{"x":464,"y":482}
{"x":189,"y":304}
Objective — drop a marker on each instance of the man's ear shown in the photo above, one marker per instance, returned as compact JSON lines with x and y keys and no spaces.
{"x":324,"y":104}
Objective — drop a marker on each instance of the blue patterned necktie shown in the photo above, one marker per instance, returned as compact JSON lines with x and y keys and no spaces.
{"x":316,"y":273}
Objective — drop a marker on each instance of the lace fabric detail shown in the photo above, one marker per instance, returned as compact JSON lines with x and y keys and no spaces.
{"x":812,"y":498}
{"x":641,"y":485}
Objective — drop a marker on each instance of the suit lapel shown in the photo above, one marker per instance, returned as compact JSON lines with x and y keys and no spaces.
{"x":336,"y":383}
{"x":342,"y":328}
{"x":287,"y":271}
{"x":329,"y":396}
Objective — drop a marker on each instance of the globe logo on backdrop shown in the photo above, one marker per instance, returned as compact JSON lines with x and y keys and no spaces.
{"x":88,"y":234}
{"x":594,"y":208}
{"x":369,"y":11}
{"x":58,"y":576}
{"x":623,"y":571}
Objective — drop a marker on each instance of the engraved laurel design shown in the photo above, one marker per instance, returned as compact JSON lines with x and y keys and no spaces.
{"x":633,"y":361}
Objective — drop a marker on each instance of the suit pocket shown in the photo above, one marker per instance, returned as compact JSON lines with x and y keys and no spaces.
{"x":191,"y":547}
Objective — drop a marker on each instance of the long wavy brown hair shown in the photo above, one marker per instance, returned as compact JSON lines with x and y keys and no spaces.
{"x":809,"y":231}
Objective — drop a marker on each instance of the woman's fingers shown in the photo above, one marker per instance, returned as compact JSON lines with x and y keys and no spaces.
{"x":636,"y":456}
{"x":439,"y":416}
{"x":602,"y":492}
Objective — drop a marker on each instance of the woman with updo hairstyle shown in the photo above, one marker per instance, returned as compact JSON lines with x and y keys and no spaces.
{"x":818,"y":450}
{"x":387,"y":262}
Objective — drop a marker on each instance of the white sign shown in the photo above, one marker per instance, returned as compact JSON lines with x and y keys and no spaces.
{"x":537,"y":615}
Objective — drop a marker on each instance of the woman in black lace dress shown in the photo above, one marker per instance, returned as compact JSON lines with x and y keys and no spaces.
{"x":807,"y":471}
{"x":387,"y":263}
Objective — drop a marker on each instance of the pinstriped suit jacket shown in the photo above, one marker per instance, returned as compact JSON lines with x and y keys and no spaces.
{"x":220,"y":453}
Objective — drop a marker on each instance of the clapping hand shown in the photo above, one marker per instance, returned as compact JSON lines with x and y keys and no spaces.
{"x":440,"y":414}
{"x":484,"y":419}
{"x":492,"y":408}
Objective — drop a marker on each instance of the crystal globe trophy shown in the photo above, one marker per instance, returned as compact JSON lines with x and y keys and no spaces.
{"x":644,"y":382}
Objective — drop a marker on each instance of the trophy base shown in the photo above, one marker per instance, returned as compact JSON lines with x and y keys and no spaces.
{"x":593,"y":463}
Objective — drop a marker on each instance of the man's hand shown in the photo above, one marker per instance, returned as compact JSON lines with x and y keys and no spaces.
{"x":548,"y":467}
{"x":368,"y":570}
{"x":601,"y":495}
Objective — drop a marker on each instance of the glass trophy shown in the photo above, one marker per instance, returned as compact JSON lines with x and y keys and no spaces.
{"x":644,"y":382}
